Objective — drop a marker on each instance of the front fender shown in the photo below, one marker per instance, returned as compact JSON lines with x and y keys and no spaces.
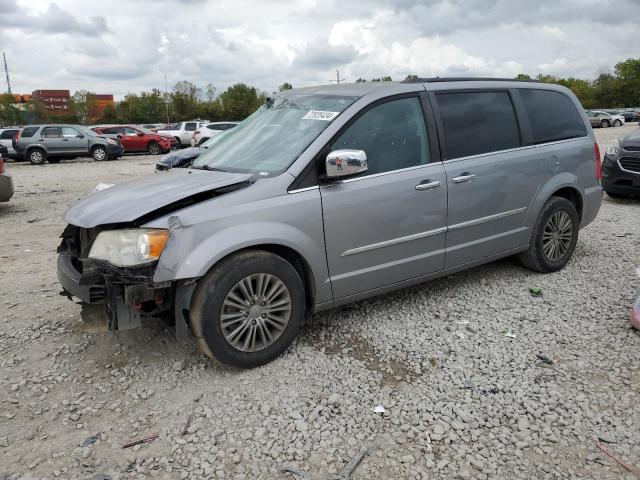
{"x":193,"y":249}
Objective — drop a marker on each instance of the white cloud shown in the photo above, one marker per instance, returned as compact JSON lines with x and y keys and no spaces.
{"x":122,"y":46}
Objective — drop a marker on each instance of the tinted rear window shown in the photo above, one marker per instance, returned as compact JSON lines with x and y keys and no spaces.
{"x":477,"y":122}
{"x":8,"y":134}
{"x":29,"y":131}
{"x":552,"y":115}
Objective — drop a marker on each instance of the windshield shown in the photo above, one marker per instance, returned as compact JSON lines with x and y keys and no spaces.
{"x":271,"y":139}
{"x":86,"y":131}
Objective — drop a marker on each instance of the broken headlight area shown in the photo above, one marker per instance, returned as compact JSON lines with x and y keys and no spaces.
{"x":123,"y":295}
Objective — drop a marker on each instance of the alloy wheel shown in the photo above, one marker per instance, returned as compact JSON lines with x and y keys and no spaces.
{"x":255,"y":313}
{"x":557,"y":235}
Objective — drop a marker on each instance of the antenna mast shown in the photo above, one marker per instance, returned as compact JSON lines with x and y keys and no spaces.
{"x":6,"y":71}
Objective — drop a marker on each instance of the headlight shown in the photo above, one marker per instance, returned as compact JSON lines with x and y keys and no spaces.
{"x":111,"y":141}
{"x":129,"y":247}
{"x":613,"y":150}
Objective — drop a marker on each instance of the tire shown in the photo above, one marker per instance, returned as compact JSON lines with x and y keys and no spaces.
{"x":617,"y":123}
{"x":540,"y":255}
{"x":54,"y":160}
{"x":178,"y":143}
{"x":605,"y":124}
{"x":154,"y":148}
{"x":617,"y":196}
{"x":37,"y":156}
{"x":213,"y":297}
{"x":202,"y":140}
{"x":99,"y":153}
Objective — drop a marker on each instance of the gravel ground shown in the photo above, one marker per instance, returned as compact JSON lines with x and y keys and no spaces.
{"x":462,"y":399}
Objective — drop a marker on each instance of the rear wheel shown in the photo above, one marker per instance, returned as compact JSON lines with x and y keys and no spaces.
{"x":37,"y":156}
{"x":178,"y":143}
{"x":554,"y":237}
{"x":202,"y":140}
{"x":154,"y":148}
{"x":249,"y":309}
{"x":99,"y":153}
{"x":605,"y":124}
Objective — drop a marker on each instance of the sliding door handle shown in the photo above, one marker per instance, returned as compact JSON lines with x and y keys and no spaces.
{"x":465,"y":177}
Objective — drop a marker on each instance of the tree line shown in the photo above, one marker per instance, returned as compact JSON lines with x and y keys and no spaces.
{"x":617,"y":88}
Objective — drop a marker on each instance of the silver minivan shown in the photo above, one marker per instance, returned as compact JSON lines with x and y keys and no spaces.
{"x":328,"y":195}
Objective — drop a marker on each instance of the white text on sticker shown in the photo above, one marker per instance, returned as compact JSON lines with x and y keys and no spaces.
{"x":320,"y":115}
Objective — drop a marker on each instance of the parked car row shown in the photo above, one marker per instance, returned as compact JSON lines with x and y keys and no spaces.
{"x":600,"y":118}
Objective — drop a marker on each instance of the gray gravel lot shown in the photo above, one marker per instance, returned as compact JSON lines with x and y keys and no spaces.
{"x":461,"y":398}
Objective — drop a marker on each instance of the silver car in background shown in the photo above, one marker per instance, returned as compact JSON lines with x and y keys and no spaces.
{"x":328,"y":195}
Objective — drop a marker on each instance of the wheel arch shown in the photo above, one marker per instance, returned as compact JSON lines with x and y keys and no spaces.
{"x":565,"y":185}
{"x":572,"y":194}
{"x":30,"y":148}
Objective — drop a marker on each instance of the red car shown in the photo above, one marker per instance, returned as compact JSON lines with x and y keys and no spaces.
{"x":136,"y":139}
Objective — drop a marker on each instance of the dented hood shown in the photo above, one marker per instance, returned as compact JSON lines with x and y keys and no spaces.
{"x":160,"y":192}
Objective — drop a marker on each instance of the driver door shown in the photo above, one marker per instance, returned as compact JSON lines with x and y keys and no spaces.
{"x":387,"y":224}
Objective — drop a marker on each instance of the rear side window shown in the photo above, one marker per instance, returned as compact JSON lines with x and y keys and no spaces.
{"x":51,"y":132}
{"x":190,"y":127}
{"x":8,"y":134}
{"x":29,"y":131}
{"x":213,"y":126}
{"x":552,"y":115}
{"x":477,"y":122}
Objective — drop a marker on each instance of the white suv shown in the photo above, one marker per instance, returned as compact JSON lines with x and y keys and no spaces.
{"x":183,"y":132}
{"x":209,"y":130}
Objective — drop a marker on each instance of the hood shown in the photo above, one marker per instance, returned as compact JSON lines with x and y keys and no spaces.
{"x":631,"y":140}
{"x":174,"y":157}
{"x":138,"y":201}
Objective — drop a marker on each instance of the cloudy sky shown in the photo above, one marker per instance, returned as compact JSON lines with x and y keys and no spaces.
{"x":121,"y":46}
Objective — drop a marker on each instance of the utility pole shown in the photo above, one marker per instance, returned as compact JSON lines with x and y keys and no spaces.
{"x":166,"y":96}
{"x":6,"y":71}
{"x":338,"y":79}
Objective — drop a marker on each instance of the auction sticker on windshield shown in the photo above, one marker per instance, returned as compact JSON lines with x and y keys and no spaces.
{"x":320,"y":115}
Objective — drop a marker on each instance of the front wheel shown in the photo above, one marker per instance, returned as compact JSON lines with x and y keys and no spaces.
{"x":154,"y":148}
{"x":617,"y":123}
{"x":99,"y":154}
{"x":249,"y":309}
{"x":554,"y":237}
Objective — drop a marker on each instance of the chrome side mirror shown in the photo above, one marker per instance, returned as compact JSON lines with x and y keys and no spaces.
{"x":343,"y":163}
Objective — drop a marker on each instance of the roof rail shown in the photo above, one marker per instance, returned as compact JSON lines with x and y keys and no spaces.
{"x":465,"y":79}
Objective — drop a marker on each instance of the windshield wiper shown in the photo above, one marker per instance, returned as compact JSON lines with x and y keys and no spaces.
{"x":210,"y":169}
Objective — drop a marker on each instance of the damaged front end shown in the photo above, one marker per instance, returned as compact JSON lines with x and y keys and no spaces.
{"x":122,"y":295}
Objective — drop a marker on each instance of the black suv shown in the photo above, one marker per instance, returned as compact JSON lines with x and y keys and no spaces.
{"x":52,"y":143}
{"x":621,"y":167}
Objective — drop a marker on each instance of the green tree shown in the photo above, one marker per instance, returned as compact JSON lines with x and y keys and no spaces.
{"x":360,"y":80}
{"x":240,"y":100}
{"x":10,"y":114}
{"x":285,"y":86}
{"x":411,"y":77}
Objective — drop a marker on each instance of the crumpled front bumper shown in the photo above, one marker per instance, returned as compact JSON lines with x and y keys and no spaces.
{"x":122,"y":297}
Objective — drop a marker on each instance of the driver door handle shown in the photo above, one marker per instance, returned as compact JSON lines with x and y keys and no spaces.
{"x":465,"y":177}
{"x":427,"y":185}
